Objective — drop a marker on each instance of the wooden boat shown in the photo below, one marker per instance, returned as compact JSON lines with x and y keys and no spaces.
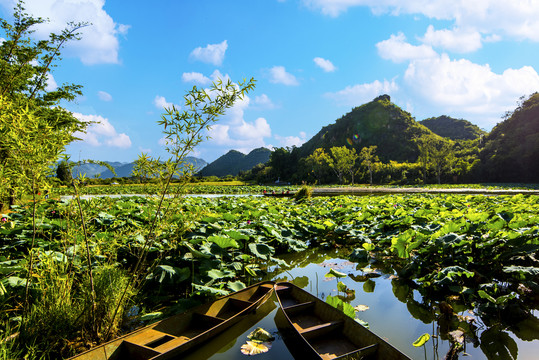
{"x":279,"y":194}
{"x":172,"y":336}
{"x":326,"y":332}
{"x":229,"y":338}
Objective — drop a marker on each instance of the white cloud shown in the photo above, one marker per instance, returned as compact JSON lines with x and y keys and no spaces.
{"x":398,"y":50}
{"x":235,"y":132}
{"x":2,"y":40}
{"x":258,"y":129}
{"x":324,"y":64}
{"x":201,"y":79}
{"x":243,"y":137}
{"x":100,"y":132}
{"x":289,"y":141}
{"x":280,"y":76}
{"x":196,"y":77}
{"x":144,"y":150}
{"x":163,"y":141}
{"x":473,"y":90}
{"x":212,"y":53}
{"x":264,"y":101}
{"x":456,"y":40}
{"x":518,"y":18}
{"x":121,"y":141}
{"x":51,"y":83}
{"x":104,"y":96}
{"x":362,"y":93}
{"x":99,"y":43}
{"x":160,"y":102}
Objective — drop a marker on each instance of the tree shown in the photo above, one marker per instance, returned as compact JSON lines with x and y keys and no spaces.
{"x":344,"y":161}
{"x":424,"y":156}
{"x":183,"y":132}
{"x":145,"y":167}
{"x":284,"y":162}
{"x":442,"y":157}
{"x":436,"y":153}
{"x":368,"y":159}
{"x":25,"y":66}
{"x":63,"y":172}
{"x":319,"y":162}
{"x":30,"y":148}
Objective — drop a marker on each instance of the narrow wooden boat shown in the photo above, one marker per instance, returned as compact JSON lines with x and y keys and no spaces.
{"x":326,"y":332}
{"x":279,"y":194}
{"x":172,"y":336}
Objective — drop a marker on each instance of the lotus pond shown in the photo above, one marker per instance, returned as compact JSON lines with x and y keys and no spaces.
{"x":461,"y":268}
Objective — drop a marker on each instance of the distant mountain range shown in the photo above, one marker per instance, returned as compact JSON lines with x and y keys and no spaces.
{"x":512,"y":144}
{"x":123,"y":169}
{"x":234,"y":161}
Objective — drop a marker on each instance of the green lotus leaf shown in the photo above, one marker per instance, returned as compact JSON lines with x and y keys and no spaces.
{"x":260,"y":250}
{"x":223,"y":242}
{"x":236,"y":285}
{"x":346,"y":308}
{"x":422,"y":340}
{"x":334,"y":273}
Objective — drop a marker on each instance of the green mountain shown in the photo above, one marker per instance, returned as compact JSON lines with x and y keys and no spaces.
{"x":234,"y":161}
{"x":455,"y":129}
{"x":511,"y":149}
{"x":91,"y":170}
{"x":122,"y":169}
{"x":380,"y":123}
{"x":125,"y":170}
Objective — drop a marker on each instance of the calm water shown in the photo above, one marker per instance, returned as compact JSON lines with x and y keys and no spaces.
{"x":388,"y":317}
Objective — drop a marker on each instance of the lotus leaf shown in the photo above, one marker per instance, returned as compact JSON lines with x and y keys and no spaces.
{"x":224,"y":242}
{"x":359,"y":255}
{"x":254,"y":348}
{"x":368,"y":286}
{"x":361,"y":308}
{"x":334,"y":273}
{"x":346,"y":308}
{"x":261,"y":335}
{"x":422,"y":340}
{"x":201,"y":289}
{"x":260,"y":250}
{"x":236,"y":285}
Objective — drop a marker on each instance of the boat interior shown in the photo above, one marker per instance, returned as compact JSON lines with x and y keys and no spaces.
{"x":176,"y":334}
{"x":329,"y":336}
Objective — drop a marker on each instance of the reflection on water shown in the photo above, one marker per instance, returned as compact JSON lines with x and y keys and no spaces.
{"x":396,"y":312}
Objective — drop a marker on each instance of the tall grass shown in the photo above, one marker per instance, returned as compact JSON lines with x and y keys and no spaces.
{"x":59,"y":321}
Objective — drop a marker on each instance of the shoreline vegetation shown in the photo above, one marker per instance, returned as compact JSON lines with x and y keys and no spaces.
{"x":329,"y":190}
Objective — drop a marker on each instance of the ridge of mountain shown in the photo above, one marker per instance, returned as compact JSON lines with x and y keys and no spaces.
{"x":380,"y":123}
{"x":454,"y":129}
{"x":123,"y":169}
{"x":234,"y":161}
{"x":510,"y":151}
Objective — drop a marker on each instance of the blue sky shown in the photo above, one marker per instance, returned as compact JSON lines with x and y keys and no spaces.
{"x":313,"y":60}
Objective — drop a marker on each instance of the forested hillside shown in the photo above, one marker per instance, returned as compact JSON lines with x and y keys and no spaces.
{"x":455,"y":129}
{"x":380,"y":143}
{"x":234,"y":161}
{"x":511,"y":149}
{"x":377,"y":123}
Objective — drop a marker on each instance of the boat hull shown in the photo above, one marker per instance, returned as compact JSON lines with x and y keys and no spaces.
{"x":326,"y":332}
{"x":175,"y":335}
